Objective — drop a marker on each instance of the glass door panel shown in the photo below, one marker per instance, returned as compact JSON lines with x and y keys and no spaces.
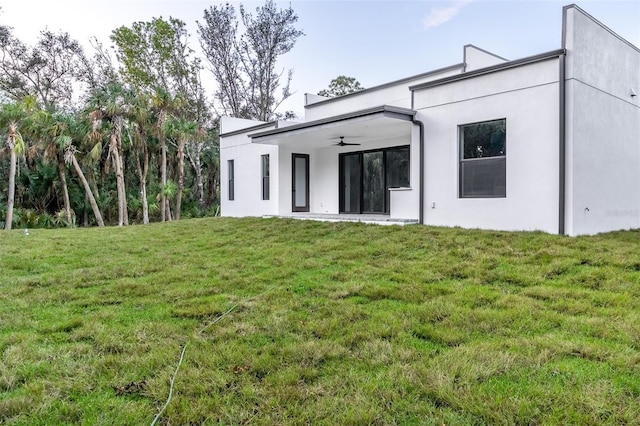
{"x":373,"y":182}
{"x":397,"y":170}
{"x":300,"y":183}
{"x":350,"y":179}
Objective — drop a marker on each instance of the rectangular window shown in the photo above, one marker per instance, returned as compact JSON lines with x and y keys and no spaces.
{"x":231,"y":173}
{"x":483,"y":153}
{"x":265,"y":177}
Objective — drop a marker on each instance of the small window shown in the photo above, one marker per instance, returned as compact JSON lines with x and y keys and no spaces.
{"x":265,"y":177}
{"x":231,"y":172}
{"x":483,"y":153}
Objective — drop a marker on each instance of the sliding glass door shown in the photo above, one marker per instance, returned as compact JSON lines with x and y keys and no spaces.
{"x":366,"y":176}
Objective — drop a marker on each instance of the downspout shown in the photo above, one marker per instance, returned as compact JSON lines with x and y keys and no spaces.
{"x":421,"y":208}
{"x":562,"y":157}
{"x":562,"y":147}
{"x":421,"y":144}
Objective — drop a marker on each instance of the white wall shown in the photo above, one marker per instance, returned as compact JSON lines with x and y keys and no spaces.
{"x":248,"y":177}
{"x":232,"y":124}
{"x":603,"y":128}
{"x":527,"y":96}
{"x":475,"y":58}
{"x":395,"y":95}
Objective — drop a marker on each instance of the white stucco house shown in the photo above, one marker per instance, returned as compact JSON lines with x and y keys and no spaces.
{"x":549,"y":142}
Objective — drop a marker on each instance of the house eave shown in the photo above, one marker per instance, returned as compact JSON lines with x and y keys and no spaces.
{"x":386,"y":111}
{"x":250,"y":129}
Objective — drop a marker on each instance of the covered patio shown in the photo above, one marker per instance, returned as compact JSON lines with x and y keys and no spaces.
{"x":375,"y":219}
{"x":358,"y":166}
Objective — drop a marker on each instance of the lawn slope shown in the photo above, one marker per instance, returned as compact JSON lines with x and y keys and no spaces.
{"x":296,"y":322}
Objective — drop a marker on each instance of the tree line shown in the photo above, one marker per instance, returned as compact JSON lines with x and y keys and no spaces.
{"x":129,"y":134}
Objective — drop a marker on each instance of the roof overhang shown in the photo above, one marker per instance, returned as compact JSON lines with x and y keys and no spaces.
{"x":382,"y":122}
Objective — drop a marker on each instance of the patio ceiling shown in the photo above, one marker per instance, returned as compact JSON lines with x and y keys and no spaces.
{"x":363,"y":126}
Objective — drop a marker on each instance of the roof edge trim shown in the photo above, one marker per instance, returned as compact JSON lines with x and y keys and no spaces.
{"x":249,"y":129}
{"x":494,"y":68}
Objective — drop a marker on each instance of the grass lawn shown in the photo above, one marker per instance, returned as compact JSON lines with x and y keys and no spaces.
{"x":296,"y":322}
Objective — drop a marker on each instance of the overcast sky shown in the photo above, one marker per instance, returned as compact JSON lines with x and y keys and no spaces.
{"x":373,"y":41}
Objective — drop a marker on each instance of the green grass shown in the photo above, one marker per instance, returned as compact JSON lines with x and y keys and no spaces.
{"x":353,"y":324}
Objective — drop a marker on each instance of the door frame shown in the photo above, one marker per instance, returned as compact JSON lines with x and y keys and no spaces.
{"x":295,"y":208}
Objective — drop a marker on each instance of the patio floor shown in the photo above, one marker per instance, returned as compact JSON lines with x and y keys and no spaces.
{"x":377,"y":219}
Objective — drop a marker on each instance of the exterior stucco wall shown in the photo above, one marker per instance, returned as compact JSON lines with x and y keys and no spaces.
{"x":232,"y":124}
{"x":527,"y":97}
{"x":603,"y":128}
{"x":476,"y":58}
{"x":393,"y":95}
{"x":248,"y":176}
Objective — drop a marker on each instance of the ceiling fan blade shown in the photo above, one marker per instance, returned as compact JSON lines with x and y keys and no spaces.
{"x":343,"y":143}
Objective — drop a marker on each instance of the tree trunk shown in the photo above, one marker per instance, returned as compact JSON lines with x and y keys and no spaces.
{"x":85,"y":215}
{"x":180,"y":179}
{"x":65,"y":191}
{"x":196,"y":163}
{"x":199,"y":182}
{"x":119,"y":178}
{"x":125,"y":207}
{"x":12,"y":187}
{"x":116,"y":146}
{"x":168,"y":212}
{"x":142,"y":174}
{"x":87,"y":189}
{"x":163,"y":165}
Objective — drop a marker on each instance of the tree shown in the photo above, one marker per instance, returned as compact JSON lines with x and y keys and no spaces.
{"x":112,"y":103}
{"x":98,"y":71}
{"x":140,"y":115}
{"x":48,"y":71}
{"x":164,"y":104}
{"x":46,"y":128}
{"x":157,"y":61}
{"x":194,"y":152}
{"x":183,"y":131}
{"x":245,"y":67}
{"x":68,"y":130}
{"x":5,"y":33}
{"x":341,"y":85}
{"x":11,"y":116}
{"x":155,"y":55}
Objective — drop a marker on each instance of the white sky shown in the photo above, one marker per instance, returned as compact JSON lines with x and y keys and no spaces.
{"x":373,"y":41}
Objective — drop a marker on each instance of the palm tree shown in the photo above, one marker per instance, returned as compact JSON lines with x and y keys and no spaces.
{"x":182,"y":130}
{"x":45,"y":127}
{"x":140,"y":122}
{"x":163,"y":104}
{"x":12,"y":115}
{"x":68,"y":128}
{"x":113,"y":103}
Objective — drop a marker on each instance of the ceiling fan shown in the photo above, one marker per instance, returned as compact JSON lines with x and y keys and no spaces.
{"x":343,"y":143}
